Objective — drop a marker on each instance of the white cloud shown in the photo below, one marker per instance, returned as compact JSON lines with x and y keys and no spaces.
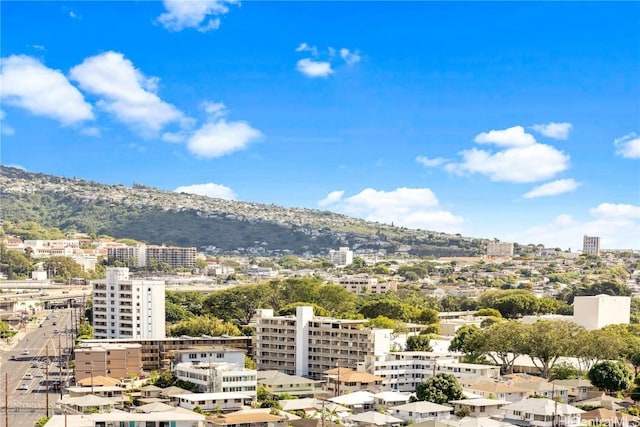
{"x":311,"y":68}
{"x":216,"y":139}
{"x":126,"y":92}
{"x":530,"y":163}
{"x":553,"y":188}
{"x":331,"y":198}
{"x":618,"y":225}
{"x":214,"y":109}
{"x":304,"y":47}
{"x":74,"y":15}
{"x":203,"y":15}
{"x":430,"y":163}
{"x":628,"y":146}
{"x":91,"y":131}
{"x":210,"y":189}
{"x":613,"y":211}
{"x":28,"y":84}
{"x":554,"y":130}
{"x":38,"y":47}
{"x":511,"y":137}
{"x":5,"y":129}
{"x":350,"y":57}
{"x":409,"y":207}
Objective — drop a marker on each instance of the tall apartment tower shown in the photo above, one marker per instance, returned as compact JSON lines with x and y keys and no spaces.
{"x":342,"y":257}
{"x":306,"y":345}
{"x":591,"y":245}
{"x":124,"y":308}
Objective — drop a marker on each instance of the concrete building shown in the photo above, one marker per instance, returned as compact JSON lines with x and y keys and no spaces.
{"x":124,"y":308}
{"x":591,"y":245}
{"x":219,"y":377}
{"x":499,"y":249}
{"x":109,"y":360}
{"x":223,"y":402}
{"x":595,"y":312}
{"x":342,"y":257}
{"x":141,"y":255}
{"x":306,"y":345}
{"x":158,"y":354}
{"x":363,"y":284}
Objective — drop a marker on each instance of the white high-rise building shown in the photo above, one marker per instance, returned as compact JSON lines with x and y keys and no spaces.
{"x":591,"y":245}
{"x":342,"y":257}
{"x":124,"y":308}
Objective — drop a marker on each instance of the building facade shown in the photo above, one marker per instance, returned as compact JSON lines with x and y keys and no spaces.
{"x":595,"y":312}
{"x":141,"y":255}
{"x":306,"y":345}
{"x":110,"y":360}
{"x":499,"y":249}
{"x":591,"y":245}
{"x":342,"y":257}
{"x":124,"y":308}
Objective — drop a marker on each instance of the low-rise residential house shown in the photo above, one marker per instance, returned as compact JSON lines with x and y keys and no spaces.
{"x":175,"y":418}
{"x":479,"y":407}
{"x":344,"y":380}
{"x":545,"y":389}
{"x":578,"y":389}
{"x":421,"y":411}
{"x":375,"y":418}
{"x":84,"y":405}
{"x":277,"y":383}
{"x":212,"y":402}
{"x":541,"y":412}
{"x":209,"y":354}
{"x":389,"y":399}
{"x":609,"y":418}
{"x":312,"y":407}
{"x":500,"y":390}
{"x":105,"y":391}
{"x":150,"y":391}
{"x":357,"y":402}
{"x":247,"y":418}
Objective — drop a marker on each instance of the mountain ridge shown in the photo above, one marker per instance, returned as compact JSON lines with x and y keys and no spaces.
{"x":145,"y":213}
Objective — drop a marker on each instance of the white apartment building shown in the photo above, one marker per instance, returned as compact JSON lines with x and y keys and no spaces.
{"x":124,"y":308}
{"x":362,"y":284}
{"x":342,"y":257}
{"x":306,"y":345}
{"x":499,"y":249}
{"x":134,"y":256}
{"x":219,"y":377}
{"x":595,"y":312}
{"x":591,"y":245}
{"x":141,"y":255}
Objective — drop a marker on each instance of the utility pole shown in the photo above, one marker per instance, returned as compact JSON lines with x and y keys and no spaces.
{"x":46,"y":380}
{"x":6,"y":399}
{"x":60,"y":366}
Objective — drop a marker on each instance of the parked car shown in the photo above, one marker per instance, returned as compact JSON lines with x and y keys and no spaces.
{"x":25,"y":352}
{"x":23,"y":386}
{"x":28,"y":376}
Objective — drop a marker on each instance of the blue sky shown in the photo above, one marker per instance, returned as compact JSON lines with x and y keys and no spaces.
{"x":518,"y":121}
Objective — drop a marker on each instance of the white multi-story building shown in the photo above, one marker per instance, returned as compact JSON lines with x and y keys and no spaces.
{"x":124,"y":308}
{"x":342,"y":257}
{"x":595,"y":312}
{"x":141,"y":255}
{"x":362,"y":284}
{"x":219,"y":377}
{"x":306,"y":345}
{"x":591,"y":245}
{"x":499,"y":249}
{"x":134,"y":256}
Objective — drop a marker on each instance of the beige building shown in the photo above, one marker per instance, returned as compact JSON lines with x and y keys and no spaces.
{"x":591,"y":245}
{"x":499,"y":249}
{"x":109,"y":360}
{"x":307,"y":346}
{"x":158,"y":353}
{"x":595,"y":312}
{"x":362,"y":284}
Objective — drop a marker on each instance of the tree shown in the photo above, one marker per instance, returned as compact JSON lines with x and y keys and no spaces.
{"x":14,"y":264}
{"x":635,"y":362}
{"x":63,"y":267}
{"x":428,"y":316}
{"x":610,"y":376}
{"x":516,"y":305}
{"x":502,"y":342}
{"x":419,"y":343}
{"x":85,"y":330}
{"x":488,"y":312}
{"x":439,"y":389}
{"x":237,"y":304}
{"x":546,"y":341}
{"x":205,"y":325}
{"x":174,"y":313}
{"x":336,"y":299}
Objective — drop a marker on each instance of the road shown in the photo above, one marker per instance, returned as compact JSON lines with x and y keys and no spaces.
{"x":33,"y":364}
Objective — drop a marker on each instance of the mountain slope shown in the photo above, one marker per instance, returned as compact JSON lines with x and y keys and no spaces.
{"x":148,"y":214}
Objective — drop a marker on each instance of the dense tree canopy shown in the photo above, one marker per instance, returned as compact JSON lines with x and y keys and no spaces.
{"x":610,"y":376}
{"x":439,"y":389}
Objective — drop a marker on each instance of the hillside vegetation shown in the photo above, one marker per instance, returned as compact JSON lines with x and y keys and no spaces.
{"x":147,"y":214}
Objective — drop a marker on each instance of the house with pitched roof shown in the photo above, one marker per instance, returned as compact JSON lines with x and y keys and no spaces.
{"x":541,"y":412}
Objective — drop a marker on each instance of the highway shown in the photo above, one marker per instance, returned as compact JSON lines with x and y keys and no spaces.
{"x":30,"y":368}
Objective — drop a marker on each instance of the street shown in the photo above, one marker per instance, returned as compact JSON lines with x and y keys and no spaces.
{"x":31,"y":370}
